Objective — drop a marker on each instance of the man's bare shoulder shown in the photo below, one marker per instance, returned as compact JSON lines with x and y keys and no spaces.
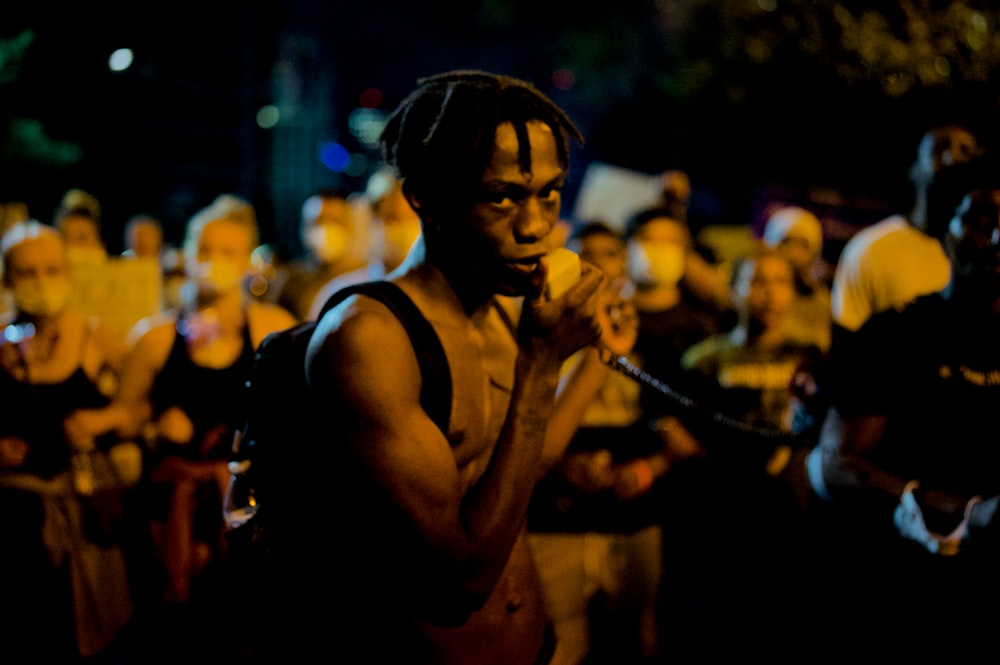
{"x":358,"y":276}
{"x":359,"y":330}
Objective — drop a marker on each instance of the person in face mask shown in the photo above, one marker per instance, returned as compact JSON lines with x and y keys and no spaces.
{"x":659,"y":247}
{"x":328,"y":234}
{"x":58,"y":370}
{"x":659,"y":250}
{"x":186,"y":371}
{"x":78,"y":219}
{"x":394,"y":227}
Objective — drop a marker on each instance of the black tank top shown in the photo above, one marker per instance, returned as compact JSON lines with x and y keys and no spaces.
{"x":213,"y":398}
{"x":35,"y":413}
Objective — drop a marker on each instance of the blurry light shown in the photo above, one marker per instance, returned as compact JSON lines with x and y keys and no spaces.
{"x":767,"y":5}
{"x":942,"y":66}
{"x":268,"y":116}
{"x":563,"y":79}
{"x":358,"y":165}
{"x":120,"y":60}
{"x":371,"y":98}
{"x":334,"y":156}
{"x":366,"y":125}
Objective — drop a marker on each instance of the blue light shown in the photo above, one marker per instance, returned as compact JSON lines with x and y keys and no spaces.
{"x":334,"y":156}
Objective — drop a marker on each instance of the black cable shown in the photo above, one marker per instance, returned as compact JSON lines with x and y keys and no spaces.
{"x":622,"y":365}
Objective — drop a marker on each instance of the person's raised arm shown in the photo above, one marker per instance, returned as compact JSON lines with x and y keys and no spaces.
{"x":144,"y":359}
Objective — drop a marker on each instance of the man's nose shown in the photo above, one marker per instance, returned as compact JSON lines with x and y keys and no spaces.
{"x":532,"y":223}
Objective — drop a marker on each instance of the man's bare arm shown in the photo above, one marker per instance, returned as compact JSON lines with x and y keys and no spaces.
{"x":462,"y":523}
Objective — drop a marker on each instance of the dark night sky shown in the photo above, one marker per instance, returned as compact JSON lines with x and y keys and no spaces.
{"x":178,"y":128}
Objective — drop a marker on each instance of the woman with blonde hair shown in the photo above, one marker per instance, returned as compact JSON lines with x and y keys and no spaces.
{"x":187,"y":369}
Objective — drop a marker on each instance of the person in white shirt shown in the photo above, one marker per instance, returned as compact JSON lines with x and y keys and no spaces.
{"x":890,"y":263}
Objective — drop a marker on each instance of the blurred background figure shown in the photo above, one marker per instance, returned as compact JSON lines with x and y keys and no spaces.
{"x":11,"y":213}
{"x":671,"y":318}
{"x":143,"y":241}
{"x":143,"y":237}
{"x":908,"y":456}
{"x":798,"y":234}
{"x":65,"y":593}
{"x":704,"y":277}
{"x":393,"y":228}
{"x":186,"y":373}
{"x":593,"y":521}
{"x":328,"y":232}
{"x":78,"y":218}
{"x":737,"y":514}
{"x":893,"y":261}
{"x":676,"y":193}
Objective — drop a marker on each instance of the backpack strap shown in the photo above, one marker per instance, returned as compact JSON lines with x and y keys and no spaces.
{"x":435,"y":387}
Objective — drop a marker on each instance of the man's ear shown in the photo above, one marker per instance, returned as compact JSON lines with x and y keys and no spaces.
{"x":422,"y":209}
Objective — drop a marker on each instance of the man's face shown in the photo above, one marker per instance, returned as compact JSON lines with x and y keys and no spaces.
{"x":765,"y":288}
{"x":222,"y":257}
{"x":40,"y":258}
{"x":975,"y":238}
{"x":79,"y":231}
{"x":606,"y":252}
{"x":514,"y":213}
{"x":327,"y":228}
{"x":942,"y":148}
{"x":146,"y":240}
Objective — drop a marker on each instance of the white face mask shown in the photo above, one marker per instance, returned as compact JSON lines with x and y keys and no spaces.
{"x":660,"y":264}
{"x":43,"y":298}
{"x":329,"y":242}
{"x":217,"y":277}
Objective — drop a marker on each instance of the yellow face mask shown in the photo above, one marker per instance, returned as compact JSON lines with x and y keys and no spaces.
{"x":660,"y":264}
{"x":328,"y":242}
{"x":43,"y":297}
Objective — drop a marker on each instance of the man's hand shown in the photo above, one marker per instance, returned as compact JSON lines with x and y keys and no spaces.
{"x":566,"y":324}
{"x":619,"y":321}
{"x":981,"y":522}
{"x":909,"y":520}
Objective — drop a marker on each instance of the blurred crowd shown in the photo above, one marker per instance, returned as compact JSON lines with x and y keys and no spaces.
{"x":766,"y":445}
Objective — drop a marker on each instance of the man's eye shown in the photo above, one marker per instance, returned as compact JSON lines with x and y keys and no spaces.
{"x":497,"y":198}
{"x":550,"y":193}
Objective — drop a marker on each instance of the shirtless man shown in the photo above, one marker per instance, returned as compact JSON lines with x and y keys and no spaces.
{"x":431,"y":563}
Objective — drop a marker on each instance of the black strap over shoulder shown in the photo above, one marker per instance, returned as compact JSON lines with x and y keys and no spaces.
{"x":435,"y":388}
